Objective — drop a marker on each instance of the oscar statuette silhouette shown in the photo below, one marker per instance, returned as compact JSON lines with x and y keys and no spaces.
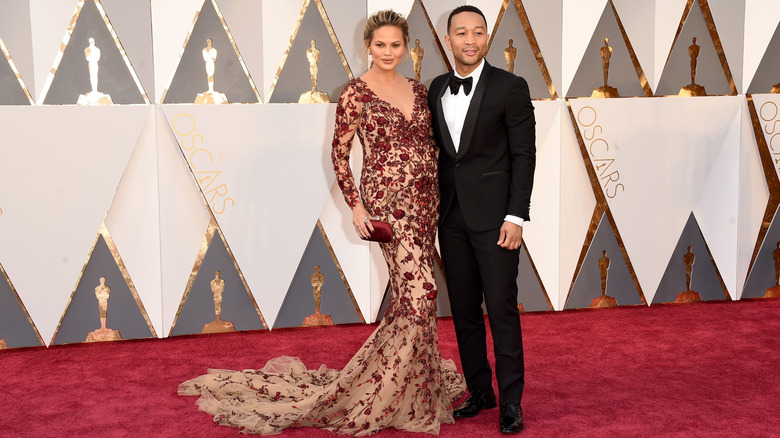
{"x":688,"y":296}
{"x":218,"y":325}
{"x":102,"y":292}
{"x":317,"y":280}
{"x":603,"y":300}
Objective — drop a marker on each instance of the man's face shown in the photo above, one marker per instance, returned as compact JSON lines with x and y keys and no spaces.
{"x":467,"y":38}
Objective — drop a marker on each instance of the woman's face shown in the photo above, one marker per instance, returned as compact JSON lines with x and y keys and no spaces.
{"x":387,"y":47}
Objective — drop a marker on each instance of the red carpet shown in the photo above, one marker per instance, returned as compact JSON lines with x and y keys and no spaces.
{"x":698,"y":370}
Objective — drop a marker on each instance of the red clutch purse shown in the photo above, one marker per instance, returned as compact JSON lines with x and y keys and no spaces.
{"x":383,"y":232}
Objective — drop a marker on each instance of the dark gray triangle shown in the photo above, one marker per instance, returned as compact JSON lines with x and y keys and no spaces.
{"x":83,"y":316}
{"x":15,"y":327}
{"x":191,"y":77}
{"x":762,"y":274}
{"x":590,"y":73}
{"x":72,"y":76}
{"x":529,"y":290}
{"x":767,"y":73}
{"x":587,"y":285}
{"x":11,"y":91}
{"x":198,"y":308}
{"x":386,"y":302}
{"x":709,"y":71}
{"x":336,"y":301}
{"x":295,"y":78}
{"x":525,"y":63}
{"x":704,"y":275}
{"x":433,"y":61}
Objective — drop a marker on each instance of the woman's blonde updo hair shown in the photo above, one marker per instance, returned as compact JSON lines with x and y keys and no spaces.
{"x":385,"y":18}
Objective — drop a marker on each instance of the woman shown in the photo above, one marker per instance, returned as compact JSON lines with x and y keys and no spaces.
{"x":397,"y":378}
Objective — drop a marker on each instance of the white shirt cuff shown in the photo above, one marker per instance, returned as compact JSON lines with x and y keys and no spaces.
{"x":514,"y":219}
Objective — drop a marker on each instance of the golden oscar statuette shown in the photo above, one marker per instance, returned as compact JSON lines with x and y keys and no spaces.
{"x":605,"y":90}
{"x":510,"y":53}
{"x":93,"y":97}
{"x":693,"y":89}
{"x":775,"y":88}
{"x":417,"y":56}
{"x":210,"y":97}
{"x":603,"y":300}
{"x":3,"y":345}
{"x":774,"y":291}
{"x":317,"y":279}
{"x":313,"y":96}
{"x":688,"y":296}
{"x":218,"y":325}
{"x":102,"y":292}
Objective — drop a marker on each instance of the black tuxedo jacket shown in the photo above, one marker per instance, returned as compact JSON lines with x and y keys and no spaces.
{"x":493,"y":171}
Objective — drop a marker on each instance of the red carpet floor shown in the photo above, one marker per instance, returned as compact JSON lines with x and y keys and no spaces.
{"x":692,"y":370}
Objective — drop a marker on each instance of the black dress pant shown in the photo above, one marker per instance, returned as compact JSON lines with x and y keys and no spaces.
{"x":476,"y":267}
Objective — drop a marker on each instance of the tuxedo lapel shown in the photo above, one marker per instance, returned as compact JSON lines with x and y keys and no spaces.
{"x":448,"y":146}
{"x":470,"y":123}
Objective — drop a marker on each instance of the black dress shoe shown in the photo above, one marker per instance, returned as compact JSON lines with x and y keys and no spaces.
{"x":476,"y":401}
{"x":511,"y":418}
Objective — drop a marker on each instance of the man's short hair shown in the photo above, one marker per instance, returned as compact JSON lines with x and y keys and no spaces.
{"x":465,"y":8}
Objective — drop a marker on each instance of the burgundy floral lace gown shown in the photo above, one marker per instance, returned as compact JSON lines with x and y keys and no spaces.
{"x":397,"y":378}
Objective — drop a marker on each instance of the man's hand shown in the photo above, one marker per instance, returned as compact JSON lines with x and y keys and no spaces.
{"x":510,"y":236}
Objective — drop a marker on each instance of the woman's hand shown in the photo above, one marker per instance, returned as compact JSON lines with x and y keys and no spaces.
{"x":362,"y":221}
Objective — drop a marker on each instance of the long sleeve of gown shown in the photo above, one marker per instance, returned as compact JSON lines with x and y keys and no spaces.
{"x":348,"y":112}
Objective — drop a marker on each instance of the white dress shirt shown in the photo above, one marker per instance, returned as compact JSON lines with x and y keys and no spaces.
{"x":455,"y":107}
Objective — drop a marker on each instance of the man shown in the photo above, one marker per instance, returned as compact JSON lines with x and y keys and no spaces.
{"x":483,"y":121}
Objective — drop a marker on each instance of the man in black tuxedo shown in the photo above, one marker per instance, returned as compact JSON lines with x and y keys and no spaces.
{"x":483,"y":121}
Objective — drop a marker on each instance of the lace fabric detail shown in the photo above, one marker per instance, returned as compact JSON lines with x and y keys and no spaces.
{"x":397,"y":378}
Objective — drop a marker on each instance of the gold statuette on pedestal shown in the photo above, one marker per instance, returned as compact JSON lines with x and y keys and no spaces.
{"x":603,"y":300}
{"x":774,"y":291}
{"x":317,"y":280}
{"x":417,"y":56}
{"x":93,"y":97}
{"x":693,"y":89}
{"x":210,"y":97}
{"x":218,"y":325}
{"x":510,"y":54}
{"x":688,"y":296}
{"x":314,"y":96}
{"x":102,"y":292}
{"x":605,"y":90}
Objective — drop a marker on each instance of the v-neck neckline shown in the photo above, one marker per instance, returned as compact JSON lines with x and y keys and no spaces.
{"x":393,"y":107}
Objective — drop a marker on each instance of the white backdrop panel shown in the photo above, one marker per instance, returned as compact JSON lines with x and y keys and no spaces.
{"x":66,"y":164}
{"x":668,"y":14}
{"x":753,"y":196}
{"x":171,"y":22}
{"x":134,"y":221}
{"x":664,"y":168}
{"x":270,"y":188}
{"x":729,"y":18}
{"x":244,"y":19}
{"x":279,"y":19}
{"x":577,"y":205}
{"x":638,"y":19}
{"x":580,"y":19}
{"x":716,"y":207}
{"x":49,"y":21}
{"x":541,"y":234}
{"x":184,"y":217}
{"x":762,"y":18}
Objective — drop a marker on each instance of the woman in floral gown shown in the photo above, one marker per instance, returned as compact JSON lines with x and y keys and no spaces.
{"x":397,"y":378}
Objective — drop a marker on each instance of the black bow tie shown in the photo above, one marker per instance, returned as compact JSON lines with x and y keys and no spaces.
{"x":456,"y":82}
